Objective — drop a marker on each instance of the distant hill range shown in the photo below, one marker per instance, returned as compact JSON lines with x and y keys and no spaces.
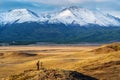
{"x":70,"y":25}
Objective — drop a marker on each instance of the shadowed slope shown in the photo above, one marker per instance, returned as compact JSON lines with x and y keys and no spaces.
{"x":17,"y":54}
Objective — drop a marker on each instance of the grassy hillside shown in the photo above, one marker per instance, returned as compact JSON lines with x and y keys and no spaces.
{"x":101,"y":64}
{"x":49,"y":74}
{"x":108,"y":48}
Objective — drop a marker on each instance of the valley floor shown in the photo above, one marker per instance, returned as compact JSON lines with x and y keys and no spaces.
{"x":103,"y":66}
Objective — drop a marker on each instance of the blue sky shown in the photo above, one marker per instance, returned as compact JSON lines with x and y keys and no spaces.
{"x":49,"y":5}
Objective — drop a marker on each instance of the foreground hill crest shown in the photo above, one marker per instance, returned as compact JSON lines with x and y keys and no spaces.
{"x":50,"y":74}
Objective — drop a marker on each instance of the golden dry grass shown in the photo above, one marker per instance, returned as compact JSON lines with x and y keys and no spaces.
{"x":104,"y":66}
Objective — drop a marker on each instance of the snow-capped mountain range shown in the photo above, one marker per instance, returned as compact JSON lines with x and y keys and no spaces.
{"x":69,"y":25}
{"x":71,"y":15}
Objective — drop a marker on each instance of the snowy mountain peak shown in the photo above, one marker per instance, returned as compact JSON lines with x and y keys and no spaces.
{"x":19,"y":16}
{"x":23,"y":12}
{"x":83,"y":16}
{"x":73,"y":8}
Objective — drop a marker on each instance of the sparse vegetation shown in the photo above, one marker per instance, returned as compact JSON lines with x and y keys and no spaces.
{"x":49,"y":74}
{"x":102,"y":63}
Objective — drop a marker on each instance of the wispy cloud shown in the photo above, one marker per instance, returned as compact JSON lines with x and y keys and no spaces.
{"x":49,"y":4}
{"x":64,"y":2}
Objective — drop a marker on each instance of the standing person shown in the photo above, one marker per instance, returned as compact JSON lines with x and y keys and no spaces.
{"x":41,"y":65}
{"x":38,"y":64}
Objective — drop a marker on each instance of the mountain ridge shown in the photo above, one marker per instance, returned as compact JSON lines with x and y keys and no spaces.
{"x":18,"y":16}
{"x":71,"y":15}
